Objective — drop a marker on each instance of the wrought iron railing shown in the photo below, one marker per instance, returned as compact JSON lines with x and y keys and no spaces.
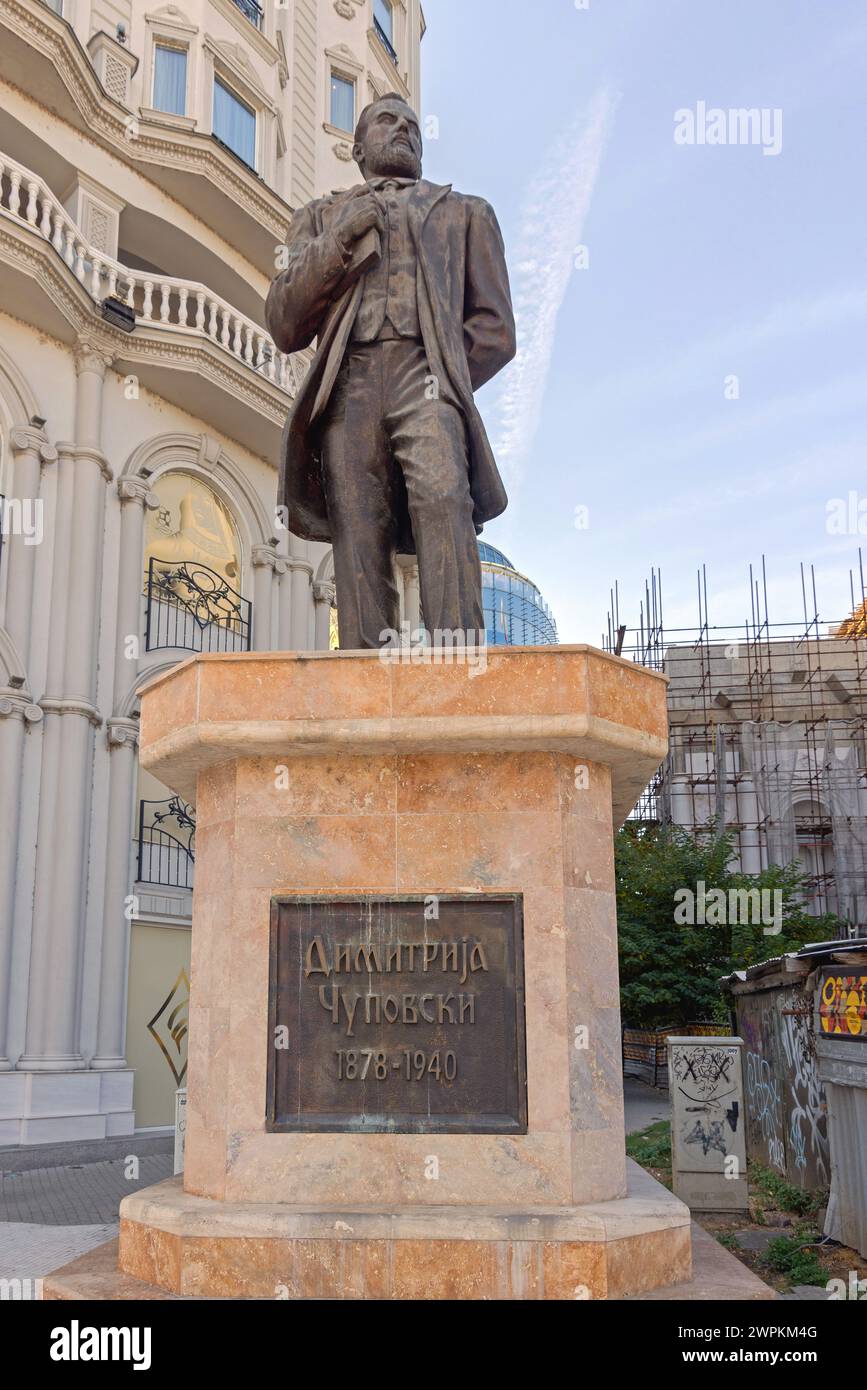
{"x":254,"y":11}
{"x":191,"y":607}
{"x":166,"y":843}
{"x":385,"y":41}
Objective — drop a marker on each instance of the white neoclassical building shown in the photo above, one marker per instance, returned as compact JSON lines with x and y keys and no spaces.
{"x":150,"y":159}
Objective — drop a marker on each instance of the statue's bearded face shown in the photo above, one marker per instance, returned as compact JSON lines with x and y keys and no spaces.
{"x":390,"y":144}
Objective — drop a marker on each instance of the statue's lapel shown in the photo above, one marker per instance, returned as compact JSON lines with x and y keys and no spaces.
{"x":423,"y":199}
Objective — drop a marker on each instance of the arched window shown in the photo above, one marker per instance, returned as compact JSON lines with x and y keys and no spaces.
{"x":815,"y":843}
{"x":192,"y":524}
{"x":193,"y":570}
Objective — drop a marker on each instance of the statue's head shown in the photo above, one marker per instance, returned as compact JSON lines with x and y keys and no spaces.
{"x":388,"y":139}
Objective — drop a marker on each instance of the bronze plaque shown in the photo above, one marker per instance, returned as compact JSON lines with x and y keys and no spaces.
{"x":397,"y":1015}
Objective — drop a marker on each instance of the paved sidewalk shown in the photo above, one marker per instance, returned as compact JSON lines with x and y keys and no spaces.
{"x":50,"y":1216}
{"x":644,"y":1104}
{"x":88,"y":1194}
{"x":30,"y":1252}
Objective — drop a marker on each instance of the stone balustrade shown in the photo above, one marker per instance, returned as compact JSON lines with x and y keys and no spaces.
{"x":158,"y":301}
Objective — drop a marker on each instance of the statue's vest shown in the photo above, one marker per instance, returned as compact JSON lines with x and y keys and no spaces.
{"x":389,"y":295}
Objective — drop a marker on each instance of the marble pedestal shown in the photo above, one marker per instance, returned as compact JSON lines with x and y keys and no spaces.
{"x":339,"y":773}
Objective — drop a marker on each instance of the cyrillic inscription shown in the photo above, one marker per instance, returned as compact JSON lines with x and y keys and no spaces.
{"x":396,"y":1022}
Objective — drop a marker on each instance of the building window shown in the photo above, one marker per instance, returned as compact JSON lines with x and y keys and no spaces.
{"x":234,"y":123}
{"x":342,"y":102}
{"x":384,"y":17}
{"x":253,"y":10}
{"x":170,"y":79}
{"x":192,"y":566}
{"x":192,"y":524}
{"x":383,"y":22}
{"x":55,"y":5}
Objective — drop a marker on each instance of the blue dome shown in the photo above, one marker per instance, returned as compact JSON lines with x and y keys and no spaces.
{"x":516,"y":615}
{"x":490,"y":556}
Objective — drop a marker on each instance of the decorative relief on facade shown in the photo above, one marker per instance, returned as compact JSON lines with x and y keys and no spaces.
{"x":173,"y":12}
{"x":138,"y":490}
{"x":324,"y":592}
{"x":90,"y":357}
{"x":115,"y":79}
{"x":99,"y":230}
{"x":170,"y":1024}
{"x":122,"y":733}
{"x":21,"y":707}
{"x":234,"y":55}
{"x":343,"y":150}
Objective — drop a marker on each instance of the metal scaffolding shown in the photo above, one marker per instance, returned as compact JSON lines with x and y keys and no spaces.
{"x":768,"y":733}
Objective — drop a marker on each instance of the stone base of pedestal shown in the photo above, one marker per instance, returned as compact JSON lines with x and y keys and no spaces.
{"x":178,"y":1245}
{"x":404,"y":980}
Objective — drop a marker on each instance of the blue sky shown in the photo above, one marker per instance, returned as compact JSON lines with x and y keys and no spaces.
{"x":706,"y":263}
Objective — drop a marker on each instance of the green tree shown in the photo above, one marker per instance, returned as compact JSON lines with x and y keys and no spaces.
{"x":669,"y":969}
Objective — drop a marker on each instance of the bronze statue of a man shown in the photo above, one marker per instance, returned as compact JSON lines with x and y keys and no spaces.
{"x":404,"y":285}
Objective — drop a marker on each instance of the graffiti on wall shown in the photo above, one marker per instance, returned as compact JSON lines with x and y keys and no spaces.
{"x":765,"y":1109}
{"x":843,"y":1005}
{"x":786,"y":1118}
{"x":808,"y":1133}
{"x":706,"y":1079}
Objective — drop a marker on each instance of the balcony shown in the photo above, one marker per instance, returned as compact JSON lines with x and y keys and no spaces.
{"x":385,"y":41}
{"x":166,"y":843}
{"x":177,"y":336}
{"x":192,"y":608}
{"x":252,"y":10}
{"x":160,"y":302}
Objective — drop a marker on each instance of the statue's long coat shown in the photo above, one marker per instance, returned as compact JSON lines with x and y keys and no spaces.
{"x":467,"y":325}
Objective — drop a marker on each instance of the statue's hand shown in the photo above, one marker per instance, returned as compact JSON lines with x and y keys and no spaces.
{"x":356,"y":216}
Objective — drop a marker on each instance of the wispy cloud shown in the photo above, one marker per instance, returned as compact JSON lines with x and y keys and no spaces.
{"x":552,"y":217}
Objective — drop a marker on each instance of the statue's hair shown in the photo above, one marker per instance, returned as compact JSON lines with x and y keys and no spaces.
{"x":365,"y":115}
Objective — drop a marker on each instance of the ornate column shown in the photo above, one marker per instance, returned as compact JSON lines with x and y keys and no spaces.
{"x":30,"y":449}
{"x":283,"y":580}
{"x":268,"y":566}
{"x":111,"y":1024}
{"x":54,"y":990}
{"x":299,"y":584}
{"x":412,"y":612}
{"x":296,"y":597}
{"x":16,"y":712}
{"x":295,"y":601}
{"x":323,"y":598}
{"x":136,"y":498}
